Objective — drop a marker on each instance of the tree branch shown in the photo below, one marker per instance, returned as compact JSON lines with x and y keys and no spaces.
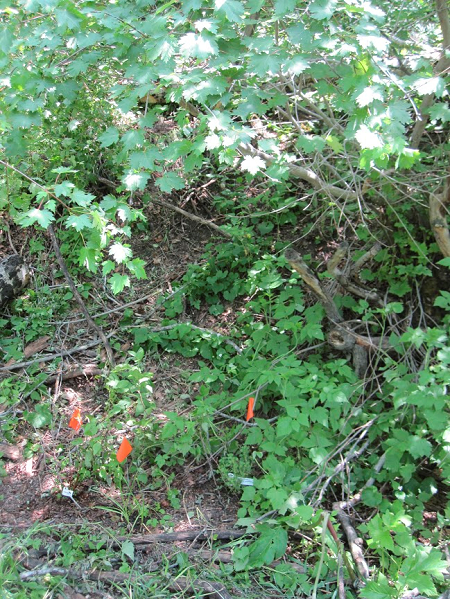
{"x":78,"y":297}
{"x":305,"y":174}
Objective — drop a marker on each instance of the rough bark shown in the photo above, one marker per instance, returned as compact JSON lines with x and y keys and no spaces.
{"x":14,"y":276}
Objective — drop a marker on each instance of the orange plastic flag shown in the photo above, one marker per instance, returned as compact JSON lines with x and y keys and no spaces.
{"x":251,"y":405}
{"x":124,"y":450}
{"x":75,"y":421}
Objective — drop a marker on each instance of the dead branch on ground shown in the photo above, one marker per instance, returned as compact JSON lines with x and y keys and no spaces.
{"x":78,"y":297}
{"x":342,"y":335}
{"x":355,"y":542}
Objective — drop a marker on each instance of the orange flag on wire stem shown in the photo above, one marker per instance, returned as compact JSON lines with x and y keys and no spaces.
{"x":124,"y":450}
{"x":251,"y":405}
{"x":75,"y":421}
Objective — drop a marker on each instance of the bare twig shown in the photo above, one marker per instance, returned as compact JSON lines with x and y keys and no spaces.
{"x":180,"y":583}
{"x":184,"y":535}
{"x":61,"y":354}
{"x":355,"y":543}
{"x":193,"y":217}
{"x":305,"y":174}
{"x":54,"y":571}
{"x":78,"y":297}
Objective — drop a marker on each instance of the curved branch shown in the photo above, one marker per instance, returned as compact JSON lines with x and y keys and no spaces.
{"x":302,"y":173}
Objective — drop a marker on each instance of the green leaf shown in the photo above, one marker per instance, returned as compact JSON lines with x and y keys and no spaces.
{"x":119,"y":252}
{"x":197,"y":46}
{"x":7,"y":38}
{"x":64,"y":189}
{"x":118,"y":282}
{"x":108,"y":266}
{"x":134,"y":181}
{"x":430,"y":85}
{"x":137,"y":267}
{"x":232,"y":9}
{"x":378,"y":589}
{"x":81,"y":198}
{"x":127,"y":549}
{"x":170,"y":181}
{"x":282,"y":7}
{"x":322,"y":9}
{"x":145,"y":159}
{"x":445,"y":262}
{"x":443,"y":300}
{"x":109,"y":137}
{"x":40,"y":417}
{"x":133,"y":138}
{"x":33,"y":216}
{"x":400,"y":111}
{"x":79,"y":222}
{"x":88,"y":258}
{"x":368,"y":139}
{"x":380,"y":536}
{"x":440,"y":111}
{"x":418,"y":447}
{"x":310,"y":143}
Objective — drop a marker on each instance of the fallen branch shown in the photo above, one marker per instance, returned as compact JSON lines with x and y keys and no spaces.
{"x":193,"y":217}
{"x":87,"y":370}
{"x":181,"y":583}
{"x":78,"y":297}
{"x":184,"y":535}
{"x":305,"y":174}
{"x":52,"y":570}
{"x":61,"y":354}
{"x":355,"y":543}
{"x":343,"y":279}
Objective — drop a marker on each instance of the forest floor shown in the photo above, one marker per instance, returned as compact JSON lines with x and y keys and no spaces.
{"x":38,"y":465}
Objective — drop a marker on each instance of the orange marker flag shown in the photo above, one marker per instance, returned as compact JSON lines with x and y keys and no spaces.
{"x":124,"y":450}
{"x":251,"y":405}
{"x":75,"y":421}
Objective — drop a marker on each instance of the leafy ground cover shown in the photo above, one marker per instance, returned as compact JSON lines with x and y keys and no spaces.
{"x":235,"y":214}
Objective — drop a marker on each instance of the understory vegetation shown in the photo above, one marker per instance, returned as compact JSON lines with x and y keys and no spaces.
{"x":250,"y":200}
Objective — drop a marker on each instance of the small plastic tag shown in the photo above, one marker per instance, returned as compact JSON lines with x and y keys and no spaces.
{"x":66,"y":492}
{"x":245,"y":482}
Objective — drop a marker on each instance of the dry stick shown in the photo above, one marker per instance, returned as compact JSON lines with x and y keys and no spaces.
{"x":299,"y":172}
{"x":133,"y":303}
{"x":353,"y":540}
{"x":61,"y":354}
{"x":52,"y":570}
{"x":78,"y":297}
{"x":184,"y":535}
{"x":341,"y":277}
{"x":87,"y":370}
{"x":181,"y":583}
{"x":198,"y":219}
